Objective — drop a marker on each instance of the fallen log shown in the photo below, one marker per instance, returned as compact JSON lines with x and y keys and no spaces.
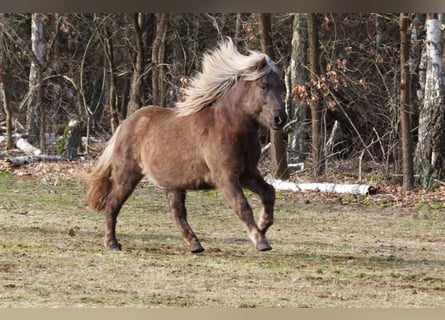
{"x":362,"y":189}
{"x":26,"y":147}
{"x":21,"y":160}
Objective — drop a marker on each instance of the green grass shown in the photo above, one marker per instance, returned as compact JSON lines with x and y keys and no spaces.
{"x":3,"y":174}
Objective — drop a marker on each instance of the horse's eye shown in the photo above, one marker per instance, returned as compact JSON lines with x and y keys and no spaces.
{"x":263,"y":86}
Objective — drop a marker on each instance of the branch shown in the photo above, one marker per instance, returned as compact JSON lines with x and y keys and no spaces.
{"x":21,"y":43}
{"x":351,"y":123}
{"x":265,"y":148}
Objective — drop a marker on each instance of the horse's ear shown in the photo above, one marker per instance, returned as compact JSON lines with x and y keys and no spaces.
{"x":261,"y":64}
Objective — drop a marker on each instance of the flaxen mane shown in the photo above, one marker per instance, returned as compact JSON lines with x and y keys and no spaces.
{"x":220,"y":70}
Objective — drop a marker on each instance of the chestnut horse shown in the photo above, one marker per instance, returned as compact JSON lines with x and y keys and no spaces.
{"x":210,"y":140}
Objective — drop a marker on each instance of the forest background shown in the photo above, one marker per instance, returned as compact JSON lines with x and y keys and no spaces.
{"x":366,"y":89}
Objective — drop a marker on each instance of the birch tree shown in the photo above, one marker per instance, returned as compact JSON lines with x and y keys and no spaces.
{"x":296,"y":77}
{"x":35,"y":119}
{"x":438,"y":121}
{"x":430,"y":150}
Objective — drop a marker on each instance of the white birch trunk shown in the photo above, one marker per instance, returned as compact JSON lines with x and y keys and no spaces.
{"x":21,"y":160}
{"x":26,"y":147}
{"x":34,"y":116}
{"x":296,"y":74}
{"x":432,"y":97}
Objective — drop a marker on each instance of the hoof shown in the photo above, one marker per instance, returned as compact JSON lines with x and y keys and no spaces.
{"x":263,"y":246}
{"x":196,"y":248}
{"x":114,"y":246}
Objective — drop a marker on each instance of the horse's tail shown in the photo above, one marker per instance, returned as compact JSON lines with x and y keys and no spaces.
{"x":100,"y":178}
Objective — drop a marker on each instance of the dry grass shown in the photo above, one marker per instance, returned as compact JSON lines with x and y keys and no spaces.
{"x":326,"y":254}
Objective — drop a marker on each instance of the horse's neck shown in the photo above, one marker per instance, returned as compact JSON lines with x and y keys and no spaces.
{"x":232,"y":107}
{"x":230,"y":113}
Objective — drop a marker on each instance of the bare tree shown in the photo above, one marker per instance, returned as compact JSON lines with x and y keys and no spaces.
{"x":112,"y":101}
{"x":136,"y":76}
{"x":296,"y":79}
{"x":157,"y":59}
{"x":430,"y":150}
{"x":35,"y":118}
{"x":278,"y":146}
{"x":4,"y":102}
{"x":315,"y":106}
{"x":405,"y":108}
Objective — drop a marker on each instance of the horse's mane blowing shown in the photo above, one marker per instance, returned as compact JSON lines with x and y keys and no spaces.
{"x":221,"y":68}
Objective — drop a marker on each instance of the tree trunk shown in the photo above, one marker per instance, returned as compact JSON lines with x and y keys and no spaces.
{"x":314,"y":69}
{"x":156,"y":81}
{"x":3,"y":96}
{"x":135,"y":84}
{"x":405,"y":108}
{"x":161,"y":59}
{"x":114,"y":116}
{"x":379,"y":32}
{"x":35,"y":126}
{"x":438,"y":132}
{"x":278,"y":145}
{"x":296,"y":75}
{"x":415,"y":58}
{"x":5,"y":104}
{"x":441,"y":17}
{"x":71,"y":139}
{"x":430,"y":153}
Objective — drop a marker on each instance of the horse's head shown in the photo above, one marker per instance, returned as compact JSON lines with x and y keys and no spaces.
{"x":264,"y":95}
{"x":253,"y":81}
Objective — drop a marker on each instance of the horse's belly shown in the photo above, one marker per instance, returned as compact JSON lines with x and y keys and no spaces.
{"x":180,"y":176}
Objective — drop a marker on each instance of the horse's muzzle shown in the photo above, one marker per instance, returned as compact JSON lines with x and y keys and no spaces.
{"x":279,"y":120}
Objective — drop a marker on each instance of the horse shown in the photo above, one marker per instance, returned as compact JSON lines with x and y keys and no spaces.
{"x":208,"y":140}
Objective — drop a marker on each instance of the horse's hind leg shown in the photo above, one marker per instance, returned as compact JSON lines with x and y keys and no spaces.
{"x":123,"y":185}
{"x":176,"y":200}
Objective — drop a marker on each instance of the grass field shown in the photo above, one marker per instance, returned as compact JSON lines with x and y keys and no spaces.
{"x":325,"y":253}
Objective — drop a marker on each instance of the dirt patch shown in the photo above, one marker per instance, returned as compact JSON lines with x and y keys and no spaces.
{"x":327,"y":252}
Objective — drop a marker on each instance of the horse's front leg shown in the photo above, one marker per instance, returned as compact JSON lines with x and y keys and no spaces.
{"x":233,"y":192}
{"x":176,"y":200}
{"x":255,"y":183}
